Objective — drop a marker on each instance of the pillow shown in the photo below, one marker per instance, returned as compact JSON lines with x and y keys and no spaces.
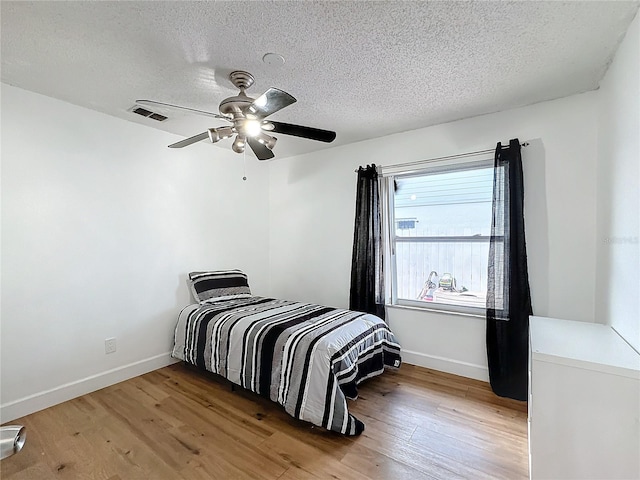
{"x":208,"y":287}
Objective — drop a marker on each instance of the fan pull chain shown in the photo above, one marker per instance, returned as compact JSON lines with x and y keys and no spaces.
{"x":244,"y":162}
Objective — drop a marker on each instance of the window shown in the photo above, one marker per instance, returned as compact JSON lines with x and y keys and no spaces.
{"x":441,"y":220}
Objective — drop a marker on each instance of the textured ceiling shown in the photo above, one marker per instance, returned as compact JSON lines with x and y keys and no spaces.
{"x":363,"y":69}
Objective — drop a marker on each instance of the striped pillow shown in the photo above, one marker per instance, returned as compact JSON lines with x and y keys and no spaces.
{"x":208,"y":287}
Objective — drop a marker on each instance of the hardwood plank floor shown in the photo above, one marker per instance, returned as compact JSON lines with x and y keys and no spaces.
{"x":179,"y":423}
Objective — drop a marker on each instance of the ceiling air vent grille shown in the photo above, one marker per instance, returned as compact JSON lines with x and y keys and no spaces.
{"x":147,"y":113}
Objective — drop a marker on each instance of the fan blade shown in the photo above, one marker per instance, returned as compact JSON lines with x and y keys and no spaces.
{"x":190,"y":140}
{"x":269,"y":102}
{"x":262,"y":151}
{"x":153,"y":104}
{"x":304,"y":132}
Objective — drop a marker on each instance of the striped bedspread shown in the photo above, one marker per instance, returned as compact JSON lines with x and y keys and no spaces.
{"x":308,"y":358}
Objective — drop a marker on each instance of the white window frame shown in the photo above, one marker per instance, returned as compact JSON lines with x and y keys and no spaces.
{"x":434,"y":167}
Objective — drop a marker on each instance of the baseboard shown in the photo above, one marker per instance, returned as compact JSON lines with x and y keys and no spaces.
{"x":448,"y":365}
{"x":48,"y":398}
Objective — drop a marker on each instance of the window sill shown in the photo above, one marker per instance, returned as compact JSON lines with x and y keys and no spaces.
{"x":437,"y":310}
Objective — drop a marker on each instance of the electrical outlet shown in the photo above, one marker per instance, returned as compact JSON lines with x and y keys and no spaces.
{"x":110,"y":345}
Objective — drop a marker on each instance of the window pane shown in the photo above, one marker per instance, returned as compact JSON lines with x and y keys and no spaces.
{"x":455,"y":205}
{"x":444,"y":204}
{"x":464,"y":262}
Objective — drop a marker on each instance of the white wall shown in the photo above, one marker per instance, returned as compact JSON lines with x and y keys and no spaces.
{"x":100,"y":225}
{"x":618,"y":212}
{"x":312,"y":213}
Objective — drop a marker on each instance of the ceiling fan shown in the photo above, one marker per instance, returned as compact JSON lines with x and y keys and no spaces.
{"x":247,"y":118}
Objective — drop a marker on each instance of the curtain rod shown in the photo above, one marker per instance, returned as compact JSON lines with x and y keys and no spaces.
{"x":447,"y":157}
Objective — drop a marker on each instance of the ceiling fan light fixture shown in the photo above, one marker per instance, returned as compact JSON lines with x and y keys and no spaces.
{"x":217,"y":134}
{"x":266,"y":140}
{"x":226,"y":132}
{"x":239,"y":144}
{"x":252,"y":128}
{"x":248,"y":118}
{"x":214,"y":136}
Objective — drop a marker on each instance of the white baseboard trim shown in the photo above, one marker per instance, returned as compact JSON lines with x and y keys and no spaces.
{"x":448,"y":365}
{"x":48,"y":398}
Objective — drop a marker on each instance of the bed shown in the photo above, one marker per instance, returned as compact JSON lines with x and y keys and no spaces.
{"x":308,"y":358}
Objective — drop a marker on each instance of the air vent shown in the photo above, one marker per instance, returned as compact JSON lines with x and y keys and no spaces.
{"x":158,"y":117}
{"x":147,"y":113}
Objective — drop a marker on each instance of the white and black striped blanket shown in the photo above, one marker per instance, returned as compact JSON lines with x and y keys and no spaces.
{"x":308,"y":358}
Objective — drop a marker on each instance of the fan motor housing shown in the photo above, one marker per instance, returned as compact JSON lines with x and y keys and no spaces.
{"x":235,"y":105}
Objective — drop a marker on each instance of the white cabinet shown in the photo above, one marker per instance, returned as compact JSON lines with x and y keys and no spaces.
{"x":584,"y":402}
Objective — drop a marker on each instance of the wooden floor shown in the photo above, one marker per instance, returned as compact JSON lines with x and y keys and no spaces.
{"x":177,"y":423}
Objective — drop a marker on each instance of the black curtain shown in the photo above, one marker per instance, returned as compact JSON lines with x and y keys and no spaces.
{"x":508,"y":294}
{"x":367,"y":281}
